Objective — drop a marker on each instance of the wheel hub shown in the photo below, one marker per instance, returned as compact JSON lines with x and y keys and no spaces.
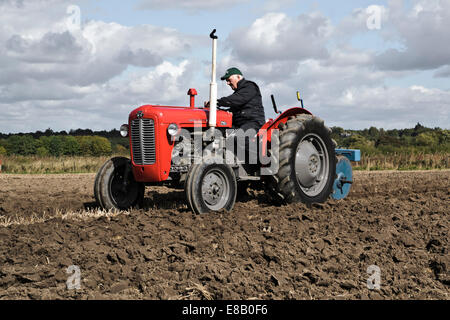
{"x":311,"y":164}
{"x":314,"y":164}
{"x":215,"y":190}
{"x":307,"y":164}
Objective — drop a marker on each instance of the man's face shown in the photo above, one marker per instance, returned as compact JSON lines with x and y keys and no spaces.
{"x":232,"y":81}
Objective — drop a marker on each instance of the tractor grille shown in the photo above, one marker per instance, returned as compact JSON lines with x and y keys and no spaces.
{"x":143,"y":141}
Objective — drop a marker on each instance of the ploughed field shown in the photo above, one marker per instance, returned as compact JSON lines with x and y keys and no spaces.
{"x":397,"y":221}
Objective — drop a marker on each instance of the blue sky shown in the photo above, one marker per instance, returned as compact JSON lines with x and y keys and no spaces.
{"x":127,"y":53}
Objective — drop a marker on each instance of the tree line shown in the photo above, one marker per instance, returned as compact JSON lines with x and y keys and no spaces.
{"x":80,"y":142}
{"x":419,"y":139}
{"x":85,"y":142}
{"x":114,"y":133}
{"x":56,"y":146}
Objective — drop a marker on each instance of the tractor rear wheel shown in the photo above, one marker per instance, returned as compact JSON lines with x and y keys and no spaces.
{"x":115,"y":186}
{"x":307,"y":162}
{"x":210,"y":187}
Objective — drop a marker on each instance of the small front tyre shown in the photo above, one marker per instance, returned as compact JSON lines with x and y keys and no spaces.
{"x":211,"y":187}
{"x":115,"y":186}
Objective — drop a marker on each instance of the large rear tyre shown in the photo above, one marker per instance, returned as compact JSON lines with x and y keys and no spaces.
{"x":211,"y":187}
{"x":307,"y":161}
{"x":115,"y":186}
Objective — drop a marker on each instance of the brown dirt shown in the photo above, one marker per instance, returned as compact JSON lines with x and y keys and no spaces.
{"x":398,"y":221}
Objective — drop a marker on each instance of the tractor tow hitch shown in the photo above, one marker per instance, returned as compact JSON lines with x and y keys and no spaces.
{"x":342,"y":182}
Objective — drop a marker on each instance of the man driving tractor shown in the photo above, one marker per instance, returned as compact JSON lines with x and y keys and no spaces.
{"x":245,"y":103}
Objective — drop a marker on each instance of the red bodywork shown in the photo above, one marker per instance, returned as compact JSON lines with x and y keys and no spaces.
{"x":185,"y":117}
{"x":163,"y":116}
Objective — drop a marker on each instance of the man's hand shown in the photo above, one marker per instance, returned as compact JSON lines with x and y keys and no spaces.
{"x":207,"y":104}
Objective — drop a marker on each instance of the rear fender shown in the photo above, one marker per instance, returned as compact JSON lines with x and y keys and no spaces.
{"x":265,"y":132}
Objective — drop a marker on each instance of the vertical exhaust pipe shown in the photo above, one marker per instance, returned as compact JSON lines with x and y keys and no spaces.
{"x":213,"y":85}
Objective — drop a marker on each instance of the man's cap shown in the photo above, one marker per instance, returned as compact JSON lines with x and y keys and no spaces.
{"x":230,"y":72}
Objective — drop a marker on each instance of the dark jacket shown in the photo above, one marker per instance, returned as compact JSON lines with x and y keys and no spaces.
{"x":245,"y":104}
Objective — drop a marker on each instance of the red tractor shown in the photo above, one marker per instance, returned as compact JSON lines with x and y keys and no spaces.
{"x":184,"y":147}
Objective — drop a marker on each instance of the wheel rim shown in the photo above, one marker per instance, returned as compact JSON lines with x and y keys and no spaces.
{"x":312,"y":164}
{"x":215,"y":190}
{"x":123,"y":196}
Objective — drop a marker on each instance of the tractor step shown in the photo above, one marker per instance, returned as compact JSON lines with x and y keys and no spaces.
{"x":249,"y":178}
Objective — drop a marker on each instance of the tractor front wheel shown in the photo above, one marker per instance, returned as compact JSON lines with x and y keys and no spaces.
{"x":115,"y":186}
{"x":211,"y":187}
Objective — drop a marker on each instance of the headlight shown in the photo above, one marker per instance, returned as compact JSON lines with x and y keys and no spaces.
{"x":124,"y":130}
{"x":172,"y":129}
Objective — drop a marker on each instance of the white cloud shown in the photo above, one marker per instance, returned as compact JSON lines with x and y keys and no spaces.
{"x":166,"y":83}
{"x":51,"y":48}
{"x":37,"y":41}
{"x":443,"y":72}
{"x":423,"y":32}
{"x":97,"y":107}
{"x":359,"y":21}
{"x":275,"y":36}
